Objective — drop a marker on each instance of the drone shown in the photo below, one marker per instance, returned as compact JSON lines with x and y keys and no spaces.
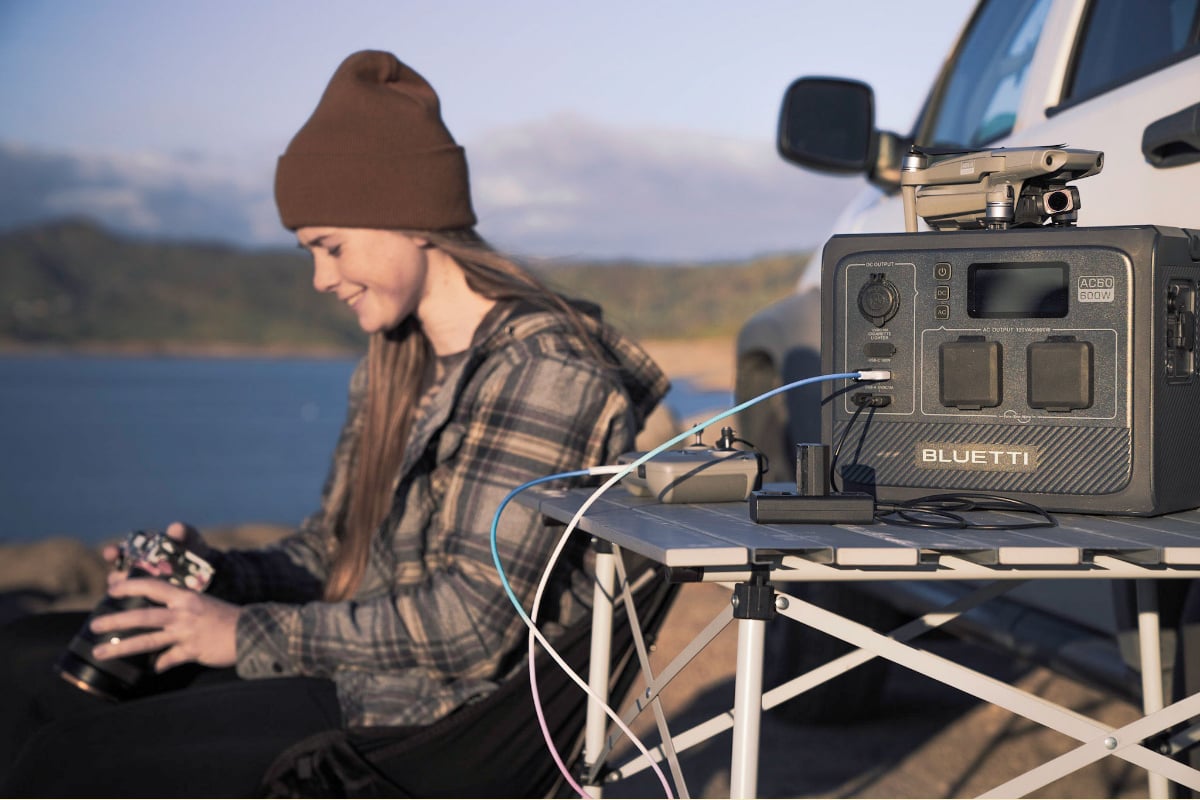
{"x":994,"y":189}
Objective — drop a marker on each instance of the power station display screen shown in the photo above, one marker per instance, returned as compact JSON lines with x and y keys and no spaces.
{"x":1025,"y":289}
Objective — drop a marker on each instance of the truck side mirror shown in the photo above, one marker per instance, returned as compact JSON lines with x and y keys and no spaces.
{"x":828,"y":124}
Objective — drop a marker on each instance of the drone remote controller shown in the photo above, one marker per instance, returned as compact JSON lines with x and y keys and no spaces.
{"x":695,"y":474}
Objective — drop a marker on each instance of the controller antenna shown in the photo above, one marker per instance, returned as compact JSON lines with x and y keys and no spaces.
{"x":727,"y":439}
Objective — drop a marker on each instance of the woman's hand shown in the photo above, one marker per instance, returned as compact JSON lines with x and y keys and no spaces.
{"x":185,"y":625}
{"x":181,"y":532}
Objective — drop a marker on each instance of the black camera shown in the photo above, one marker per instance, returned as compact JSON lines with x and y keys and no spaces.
{"x":144,"y":554}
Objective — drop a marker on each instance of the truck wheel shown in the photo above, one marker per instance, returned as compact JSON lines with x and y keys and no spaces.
{"x":793,"y":648}
{"x":765,"y":424}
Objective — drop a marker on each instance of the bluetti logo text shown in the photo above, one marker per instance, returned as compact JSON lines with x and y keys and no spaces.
{"x":977,"y":457}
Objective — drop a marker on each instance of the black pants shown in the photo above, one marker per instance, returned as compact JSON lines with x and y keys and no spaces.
{"x":197,"y":732}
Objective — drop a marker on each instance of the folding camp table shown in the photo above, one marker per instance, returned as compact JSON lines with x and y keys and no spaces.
{"x":718,"y":542}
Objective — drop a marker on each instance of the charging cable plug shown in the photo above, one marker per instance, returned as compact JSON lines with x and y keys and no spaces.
{"x":870,"y":400}
{"x":874,"y":375}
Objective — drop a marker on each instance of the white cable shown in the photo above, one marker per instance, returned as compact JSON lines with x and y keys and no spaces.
{"x":534,"y":633}
{"x":608,"y":709}
{"x":617,"y":473}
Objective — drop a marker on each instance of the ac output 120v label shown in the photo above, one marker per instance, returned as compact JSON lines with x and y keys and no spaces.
{"x":1096,"y":289}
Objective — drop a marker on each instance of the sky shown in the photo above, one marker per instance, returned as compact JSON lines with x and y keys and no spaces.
{"x":610,"y":129}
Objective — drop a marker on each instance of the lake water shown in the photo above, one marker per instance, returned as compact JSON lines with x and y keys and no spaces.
{"x":95,"y":446}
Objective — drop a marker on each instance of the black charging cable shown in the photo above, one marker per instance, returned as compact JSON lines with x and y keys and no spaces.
{"x":833,"y":458}
{"x":943,"y":511}
{"x":940,"y":511}
{"x":727,"y":440}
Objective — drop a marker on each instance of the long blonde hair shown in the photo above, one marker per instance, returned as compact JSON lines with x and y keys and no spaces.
{"x":397,"y":363}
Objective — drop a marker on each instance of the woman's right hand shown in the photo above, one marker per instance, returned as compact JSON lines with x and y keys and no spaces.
{"x":189,"y":537}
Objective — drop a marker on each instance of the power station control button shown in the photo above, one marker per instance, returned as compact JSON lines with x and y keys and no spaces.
{"x":879,"y":349}
{"x":878,"y":300}
{"x":969,"y":373}
{"x":942,"y":271}
{"x":1060,"y":374}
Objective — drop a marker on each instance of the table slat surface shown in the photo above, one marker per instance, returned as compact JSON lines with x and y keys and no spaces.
{"x":722,"y":534}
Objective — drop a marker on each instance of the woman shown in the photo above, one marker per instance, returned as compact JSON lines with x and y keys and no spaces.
{"x":384,"y":608}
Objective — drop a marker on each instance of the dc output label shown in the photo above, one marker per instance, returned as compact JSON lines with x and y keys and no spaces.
{"x":1096,"y":289}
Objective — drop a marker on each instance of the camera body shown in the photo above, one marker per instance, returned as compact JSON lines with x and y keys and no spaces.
{"x":144,"y":554}
{"x":1052,"y":364}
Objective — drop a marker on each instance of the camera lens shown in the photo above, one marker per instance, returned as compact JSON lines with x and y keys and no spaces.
{"x":113,"y":678}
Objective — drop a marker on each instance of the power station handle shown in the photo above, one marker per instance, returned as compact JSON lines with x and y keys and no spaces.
{"x":1174,"y":140}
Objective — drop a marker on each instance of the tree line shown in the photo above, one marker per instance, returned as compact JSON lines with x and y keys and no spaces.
{"x":73,"y":284}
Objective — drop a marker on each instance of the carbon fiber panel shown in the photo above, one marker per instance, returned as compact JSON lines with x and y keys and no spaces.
{"x":1069,"y":460}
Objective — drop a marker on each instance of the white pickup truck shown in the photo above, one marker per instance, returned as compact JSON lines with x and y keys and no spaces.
{"x":1118,"y":76}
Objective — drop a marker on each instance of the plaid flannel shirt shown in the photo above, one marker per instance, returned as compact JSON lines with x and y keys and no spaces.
{"x":431,"y":626}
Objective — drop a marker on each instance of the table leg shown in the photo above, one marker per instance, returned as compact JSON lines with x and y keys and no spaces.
{"x":747,"y":708}
{"x":753,"y":604}
{"x":1150,"y":648}
{"x":600,"y":661}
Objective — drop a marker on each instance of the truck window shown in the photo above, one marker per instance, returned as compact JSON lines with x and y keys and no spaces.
{"x":1123,"y":40}
{"x":978,"y":98}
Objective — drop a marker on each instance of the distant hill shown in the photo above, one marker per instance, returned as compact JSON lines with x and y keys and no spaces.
{"x":73,"y":284}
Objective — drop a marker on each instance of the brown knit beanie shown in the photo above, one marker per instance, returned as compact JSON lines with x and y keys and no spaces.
{"x":374,"y":154}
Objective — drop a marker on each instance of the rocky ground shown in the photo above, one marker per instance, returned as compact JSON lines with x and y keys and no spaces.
{"x":707,"y":363}
{"x":929,"y":740}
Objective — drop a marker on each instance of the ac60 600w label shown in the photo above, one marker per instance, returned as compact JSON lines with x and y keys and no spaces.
{"x":1096,"y":289}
